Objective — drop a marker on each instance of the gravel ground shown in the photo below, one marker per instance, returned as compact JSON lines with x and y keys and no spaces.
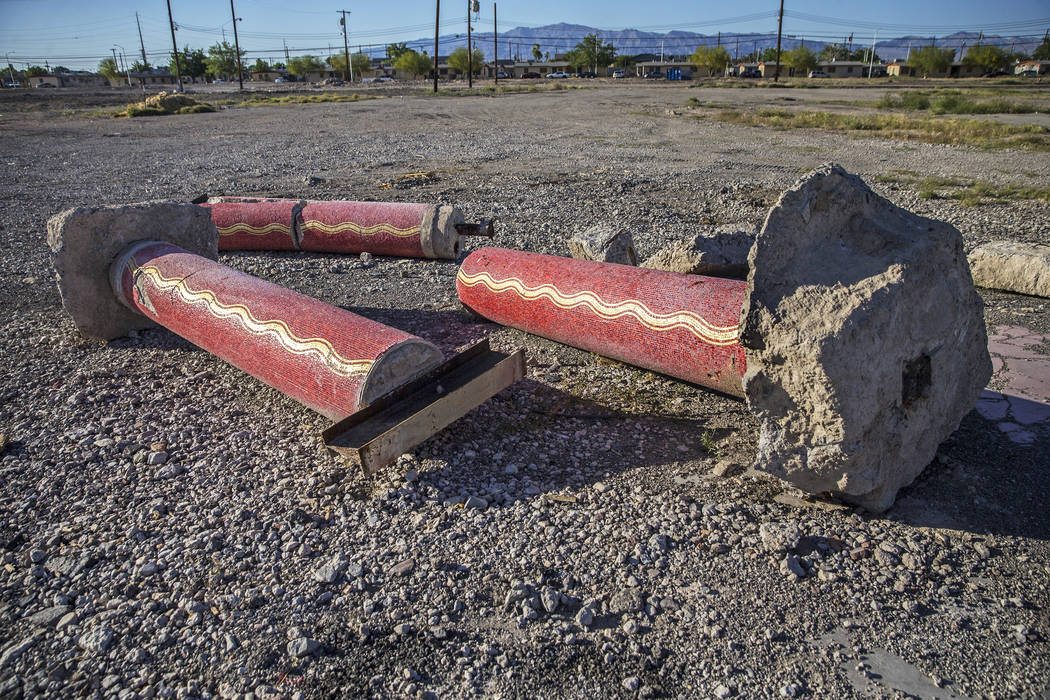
{"x":171,"y":527}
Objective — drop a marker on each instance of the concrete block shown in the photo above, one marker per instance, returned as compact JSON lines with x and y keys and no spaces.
{"x":720,"y":252}
{"x":603,"y":243}
{"x":1012,"y":266}
{"x":84,"y":242}
{"x":864,"y":337}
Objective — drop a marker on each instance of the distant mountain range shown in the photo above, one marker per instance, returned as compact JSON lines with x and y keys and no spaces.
{"x":559,"y":38}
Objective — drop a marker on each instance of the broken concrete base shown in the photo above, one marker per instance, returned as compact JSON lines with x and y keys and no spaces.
{"x":84,"y":242}
{"x":603,"y":243}
{"x":865,"y":339}
{"x":1012,"y":266}
{"x":721,"y":252}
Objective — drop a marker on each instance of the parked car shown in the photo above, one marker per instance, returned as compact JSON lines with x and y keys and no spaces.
{"x":282,"y":79}
{"x":618,"y":73}
{"x":587,"y":75}
{"x":530,"y":75}
{"x":654,"y":75}
{"x":751,"y":73}
{"x":558,"y":74}
{"x":12,"y":84}
{"x":384,"y":79}
{"x":218,"y":81}
{"x":46,"y":85}
{"x":818,"y":74}
{"x":501,"y":74}
{"x":1029,"y":73}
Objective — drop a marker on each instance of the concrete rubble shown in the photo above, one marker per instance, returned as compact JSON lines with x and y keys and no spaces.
{"x":720,"y":252}
{"x":604,"y":243}
{"x":1012,"y":266}
{"x":865,"y":339}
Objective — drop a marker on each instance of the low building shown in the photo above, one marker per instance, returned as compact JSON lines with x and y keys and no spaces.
{"x":844,"y":69}
{"x":768,"y":69}
{"x":541,"y":67}
{"x":269,"y":75}
{"x":900,"y":69}
{"x":958,"y":69}
{"x":688,"y":70}
{"x":1040,"y":67}
{"x":78,"y":78}
{"x":155,"y":76}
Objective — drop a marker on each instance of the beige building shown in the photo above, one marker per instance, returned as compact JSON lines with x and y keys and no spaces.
{"x":73,"y":79}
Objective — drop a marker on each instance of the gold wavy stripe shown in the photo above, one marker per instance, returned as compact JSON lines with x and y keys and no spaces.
{"x":274,"y":327}
{"x":350,"y":226}
{"x":241,"y":227}
{"x":707,"y":332}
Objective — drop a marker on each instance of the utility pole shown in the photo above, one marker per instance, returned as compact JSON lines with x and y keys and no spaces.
{"x":237,"y":48}
{"x":437,"y":23}
{"x":142,"y":45}
{"x":115,"y":64}
{"x":347,"y":75}
{"x":174,"y":45}
{"x":780,"y":29}
{"x":495,"y":41}
{"x":470,"y":51}
{"x":287,"y":58}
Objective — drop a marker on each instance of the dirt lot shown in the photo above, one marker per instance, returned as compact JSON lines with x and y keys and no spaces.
{"x":607,"y":550}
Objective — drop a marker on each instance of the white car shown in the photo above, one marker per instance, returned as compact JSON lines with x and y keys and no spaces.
{"x":617,"y":74}
{"x":818,"y":74}
{"x":558,"y":74}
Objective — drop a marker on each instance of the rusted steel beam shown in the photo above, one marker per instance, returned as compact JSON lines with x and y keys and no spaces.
{"x":686,"y":326}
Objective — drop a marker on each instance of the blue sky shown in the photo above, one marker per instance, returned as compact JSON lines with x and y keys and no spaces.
{"x":77,"y":33}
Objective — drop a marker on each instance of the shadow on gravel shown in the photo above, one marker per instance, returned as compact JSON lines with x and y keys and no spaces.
{"x":984,"y":483}
{"x":552,"y":440}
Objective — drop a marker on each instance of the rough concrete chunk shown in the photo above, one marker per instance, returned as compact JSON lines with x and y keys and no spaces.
{"x":721,"y":252}
{"x":85,"y":240}
{"x":865,"y":339}
{"x":1023,"y":268}
{"x":603,"y":243}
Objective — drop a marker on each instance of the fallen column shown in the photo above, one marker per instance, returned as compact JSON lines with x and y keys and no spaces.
{"x":119,"y":269}
{"x":328,"y":359}
{"x":380,"y":228}
{"x":685,"y":326}
{"x":861,"y":341}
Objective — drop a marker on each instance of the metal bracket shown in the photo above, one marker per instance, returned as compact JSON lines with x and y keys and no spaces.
{"x":484,"y":228}
{"x":381,"y":432}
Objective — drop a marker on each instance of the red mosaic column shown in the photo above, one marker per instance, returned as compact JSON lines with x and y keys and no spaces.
{"x":381,"y":228}
{"x":329,"y":359}
{"x":255,"y":224}
{"x":685,"y":326}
